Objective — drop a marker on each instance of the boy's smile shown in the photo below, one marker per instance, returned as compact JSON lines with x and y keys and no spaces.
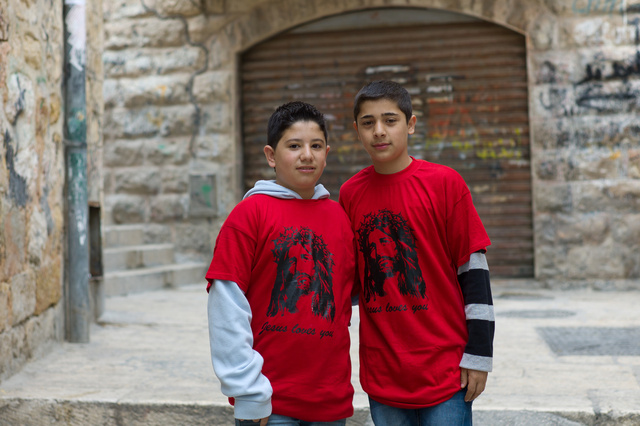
{"x":299,"y":157}
{"x":384,"y":132}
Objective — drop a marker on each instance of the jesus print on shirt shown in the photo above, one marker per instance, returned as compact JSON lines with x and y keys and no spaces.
{"x":390,"y":256}
{"x":304,"y":266}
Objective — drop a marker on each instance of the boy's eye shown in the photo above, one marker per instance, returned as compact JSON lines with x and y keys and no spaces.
{"x":294,"y":145}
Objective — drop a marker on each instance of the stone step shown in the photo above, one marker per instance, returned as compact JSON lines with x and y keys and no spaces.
{"x":123,"y":235}
{"x":139,"y":280}
{"x":132,"y":257}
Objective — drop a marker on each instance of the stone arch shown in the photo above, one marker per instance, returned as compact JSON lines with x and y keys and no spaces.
{"x":272,"y":17}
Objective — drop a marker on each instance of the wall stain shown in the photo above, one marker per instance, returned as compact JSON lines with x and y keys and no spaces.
{"x":17,"y":183}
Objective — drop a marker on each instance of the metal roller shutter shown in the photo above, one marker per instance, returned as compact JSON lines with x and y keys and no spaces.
{"x":468,"y":83}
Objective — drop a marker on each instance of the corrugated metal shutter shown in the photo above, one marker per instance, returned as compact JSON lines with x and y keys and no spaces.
{"x":469,"y":89}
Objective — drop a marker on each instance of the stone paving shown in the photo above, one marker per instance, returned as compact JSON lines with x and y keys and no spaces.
{"x":148,"y":363}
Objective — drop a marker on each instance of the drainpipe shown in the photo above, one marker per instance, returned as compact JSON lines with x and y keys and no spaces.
{"x":78,"y":309}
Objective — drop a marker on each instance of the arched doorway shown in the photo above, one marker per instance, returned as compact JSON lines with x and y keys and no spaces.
{"x":468,"y":81}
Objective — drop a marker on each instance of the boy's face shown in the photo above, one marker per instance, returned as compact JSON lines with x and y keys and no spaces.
{"x":383,"y":130}
{"x":299,"y":158}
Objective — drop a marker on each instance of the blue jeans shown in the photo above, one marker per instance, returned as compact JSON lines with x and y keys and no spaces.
{"x":278,"y":420}
{"x":453,"y":412}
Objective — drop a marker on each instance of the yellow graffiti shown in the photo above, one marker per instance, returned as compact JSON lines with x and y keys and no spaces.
{"x":163,"y":90}
{"x":156,"y":121}
{"x":346,"y":150}
{"x":500,"y":148}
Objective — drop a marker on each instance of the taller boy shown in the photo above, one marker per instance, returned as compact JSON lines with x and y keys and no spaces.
{"x":426,"y":311}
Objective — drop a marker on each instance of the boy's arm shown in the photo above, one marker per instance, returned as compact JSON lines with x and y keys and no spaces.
{"x":473,"y":277}
{"x":236,"y":364}
{"x":477,"y":359}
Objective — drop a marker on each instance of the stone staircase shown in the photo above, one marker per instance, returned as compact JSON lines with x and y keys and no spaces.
{"x":133,"y":265}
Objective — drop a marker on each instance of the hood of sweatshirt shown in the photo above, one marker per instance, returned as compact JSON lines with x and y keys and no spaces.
{"x":270,"y":187}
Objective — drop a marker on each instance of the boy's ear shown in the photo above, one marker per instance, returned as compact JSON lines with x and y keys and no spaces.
{"x":270,"y":153}
{"x":411,"y":125}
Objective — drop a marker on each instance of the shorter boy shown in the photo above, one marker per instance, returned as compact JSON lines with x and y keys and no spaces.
{"x":280,"y":286}
{"x":426,"y":313}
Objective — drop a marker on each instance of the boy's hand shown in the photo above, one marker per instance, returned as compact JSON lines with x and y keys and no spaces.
{"x":475,"y":382}
{"x":263,"y":422}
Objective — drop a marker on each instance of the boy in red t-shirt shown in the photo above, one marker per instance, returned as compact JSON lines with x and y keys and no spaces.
{"x":280,"y":285}
{"x":426,"y":312}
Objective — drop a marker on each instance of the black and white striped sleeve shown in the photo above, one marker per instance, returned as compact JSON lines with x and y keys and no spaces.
{"x":473,"y":277}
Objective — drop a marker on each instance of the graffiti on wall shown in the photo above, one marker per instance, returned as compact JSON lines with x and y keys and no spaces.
{"x":587,"y":7}
{"x":606,"y":86}
{"x":457,"y":128}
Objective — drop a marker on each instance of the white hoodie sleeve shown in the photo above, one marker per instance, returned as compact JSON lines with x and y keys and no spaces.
{"x":236,"y":364}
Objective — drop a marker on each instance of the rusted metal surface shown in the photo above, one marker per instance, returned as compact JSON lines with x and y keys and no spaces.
{"x":469,"y":90}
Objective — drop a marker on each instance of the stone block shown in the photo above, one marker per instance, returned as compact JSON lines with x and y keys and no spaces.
{"x":192,"y":242}
{"x":12,"y":351}
{"x":596,"y":261}
{"x":123,"y":153}
{"x":32,"y":49}
{"x":42,"y":331}
{"x":589,"y":228}
{"x":212,"y":86}
{"x":553,"y":197}
{"x":545,"y":228}
{"x":216,"y":117}
{"x":126,"y":208}
{"x":202,"y":27}
{"x":548,"y":261}
{"x":23,"y":296}
{"x":167,"y":151}
{"x":175,"y":120}
{"x":214,"y":146}
{"x":5,"y":306}
{"x":152,"y":90}
{"x":214,"y":6}
{"x":135,"y":62}
{"x":592,"y":165}
{"x":122,"y":9}
{"x":555,"y":67}
{"x":238,"y":6}
{"x":48,"y":286}
{"x":174,"y":7}
{"x":14,"y":241}
{"x":590,"y":196}
{"x":546,"y":166}
{"x":625,"y":190}
{"x":144,"y":32}
{"x":138,"y":181}
{"x":165,"y":208}
{"x":591,"y":32}
{"x":175,"y":180}
{"x":633,"y":168}
{"x":37,"y":235}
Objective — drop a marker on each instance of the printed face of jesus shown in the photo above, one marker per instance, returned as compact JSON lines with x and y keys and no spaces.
{"x":302,"y":267}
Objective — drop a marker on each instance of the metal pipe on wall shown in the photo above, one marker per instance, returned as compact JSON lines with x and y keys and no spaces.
{"x":78,"y":309}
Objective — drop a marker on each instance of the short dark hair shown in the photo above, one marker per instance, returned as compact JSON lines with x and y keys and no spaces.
{"x":287,"y":114}
{"x":384,"y":89}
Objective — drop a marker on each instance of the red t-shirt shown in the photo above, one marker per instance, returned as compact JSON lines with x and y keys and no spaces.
{"x":294,"y":259}
{"x":413,"y":229}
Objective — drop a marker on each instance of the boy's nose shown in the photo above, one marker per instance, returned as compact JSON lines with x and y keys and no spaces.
{"x":378,"y":129}
{"x":306,"y":152}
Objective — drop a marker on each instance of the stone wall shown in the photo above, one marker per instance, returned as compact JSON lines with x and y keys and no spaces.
{"x":171,"y":123}
{"x":32,"y":171}
{"x":31,"y":180}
